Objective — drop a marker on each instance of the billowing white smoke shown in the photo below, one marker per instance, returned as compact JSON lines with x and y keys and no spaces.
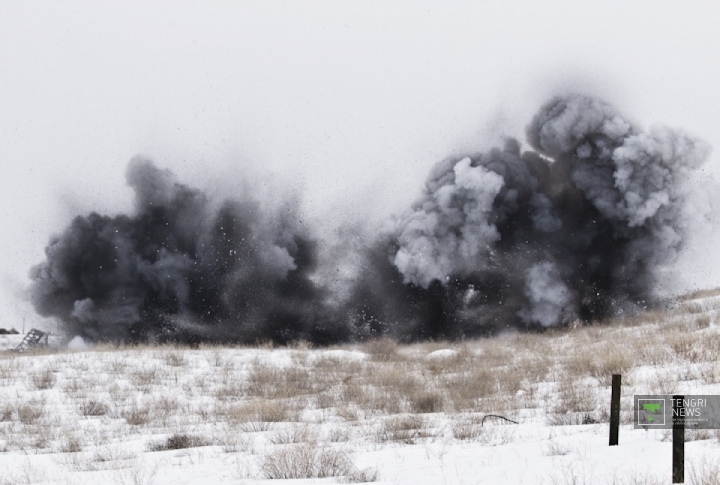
{"x":547,"y":295}
{"x":450,"y":233}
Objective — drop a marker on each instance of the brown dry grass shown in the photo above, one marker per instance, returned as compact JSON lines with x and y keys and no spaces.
{"x":561,"y":375}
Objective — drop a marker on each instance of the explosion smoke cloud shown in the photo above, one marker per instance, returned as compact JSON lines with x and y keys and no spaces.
{"x":179,"y":269}
{"x":575,"y":229}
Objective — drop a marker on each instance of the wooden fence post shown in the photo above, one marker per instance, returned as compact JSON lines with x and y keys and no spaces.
{"x":615,"y":410}
{"x":678,"y":443}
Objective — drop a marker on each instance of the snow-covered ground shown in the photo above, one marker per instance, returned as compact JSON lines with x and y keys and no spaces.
{"x":374,"y":412}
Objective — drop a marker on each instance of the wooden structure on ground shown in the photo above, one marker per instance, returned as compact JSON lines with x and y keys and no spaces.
{"x":35,"y":338}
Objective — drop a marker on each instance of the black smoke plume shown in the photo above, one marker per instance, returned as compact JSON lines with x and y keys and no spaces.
{"x":574,"y":230}
{"x":180,"y":269}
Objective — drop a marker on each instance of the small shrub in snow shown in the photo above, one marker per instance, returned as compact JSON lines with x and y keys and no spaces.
{"x":137,"y":416}
{"x":6,"y":413}
{"x":259,"y":415}
{"x":44,"y":380}
{"x":111,"y":457}
{"x":338,"y":434}
{"x":571,"y":419}
{"x":94,"y":407}
{"x":467,"y":428}
{"x":346,"y":413}
{"x":75,"y":389}
{"x":235,"y":441}
{"x":555,"y":449}
{"x":367,"y":475}
{"x":426,"y":402}
{"x":382,"y":349}
{"x":694,"y":308}
{"x":230,"y":390}
{"x":575,"y":404}
{"x":165,"y":406}
{"x":608,"y":360}
{"x":684,"y":345}
{"x":71,"y":444}
{"x":30,"y":413}
{"x":145,"y":378}
{"x":702,"y":321}
{"x":404,"y":429}
{"x":176,"y":359}
{"x":301,"y":461}
{"x":178,"y":442}
{"x":467,"y":387}
{"x":271,"y":382}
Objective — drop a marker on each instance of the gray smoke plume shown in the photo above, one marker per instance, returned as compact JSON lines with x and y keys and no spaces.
{"x":574,"y":229}
{"x":547,"y":295}
{"x":597,"y":208}
{"x":181,"y":269}
{"x":442,"y":237}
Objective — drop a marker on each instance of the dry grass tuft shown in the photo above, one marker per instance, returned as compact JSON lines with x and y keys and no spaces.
{"x":382,"y":349}
{"x":94,"y":407}
{"x":467,"y":427}
{"x":178,"y":442}
{"x":259,"y":415}
{"x":145,"y":378}
{"x":44,"y":380}
{"x":576,"y":404}
{"x":301,"y":461}
{"x":426,"y":402}
{"x":176,"y":359}
{"x":30,"y":413}
{"x":404,"y":429}
{"x":137,"y":415}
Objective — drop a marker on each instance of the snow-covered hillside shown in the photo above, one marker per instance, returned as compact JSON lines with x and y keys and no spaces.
{"x":374,"y":412}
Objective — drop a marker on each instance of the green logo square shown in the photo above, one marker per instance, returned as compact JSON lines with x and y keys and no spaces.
{"x":651,"y":412}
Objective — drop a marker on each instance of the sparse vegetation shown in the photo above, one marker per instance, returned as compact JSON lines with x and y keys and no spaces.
{"x":31,"y":412}
{"x":178,"y":442}
{"x":94,"y":407}
{"x":293,"y":412}
{"x":306,"y":462}
{"x":44,"y":380}
{"x":405,"y":429}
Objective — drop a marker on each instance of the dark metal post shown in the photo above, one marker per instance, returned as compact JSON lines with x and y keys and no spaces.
{"x":678,"y":442}
{"x":615,"y":410}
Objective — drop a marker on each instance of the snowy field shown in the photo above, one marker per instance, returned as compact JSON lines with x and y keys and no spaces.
{"x":377,"y":412}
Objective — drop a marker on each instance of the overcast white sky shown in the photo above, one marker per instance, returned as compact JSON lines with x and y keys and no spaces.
{"x":348,"y":102}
